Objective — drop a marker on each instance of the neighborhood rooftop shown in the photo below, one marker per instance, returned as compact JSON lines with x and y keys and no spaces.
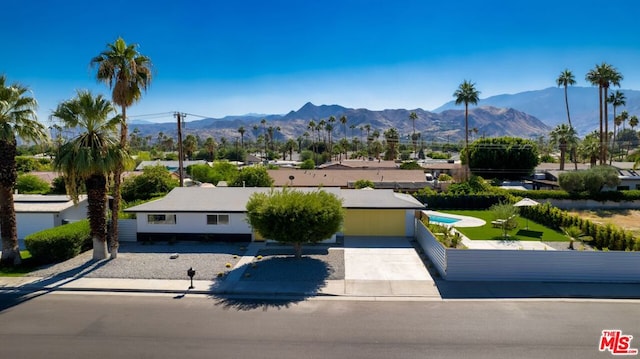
{"x":234,"y":199}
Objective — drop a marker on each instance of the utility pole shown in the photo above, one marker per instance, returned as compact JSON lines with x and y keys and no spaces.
{"x":180,"y":117}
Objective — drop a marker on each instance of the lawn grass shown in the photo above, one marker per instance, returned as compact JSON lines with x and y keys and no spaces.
{"x":535,"y":231}
{"x":19,"y":271}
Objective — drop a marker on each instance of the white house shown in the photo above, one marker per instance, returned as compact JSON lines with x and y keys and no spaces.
{"x":36,"y":212}
{"x":219,"y":214}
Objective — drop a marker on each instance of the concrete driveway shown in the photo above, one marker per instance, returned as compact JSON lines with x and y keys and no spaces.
{"x":385,"y":266}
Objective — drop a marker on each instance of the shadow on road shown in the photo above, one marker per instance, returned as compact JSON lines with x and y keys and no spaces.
{"x":32,"y":290}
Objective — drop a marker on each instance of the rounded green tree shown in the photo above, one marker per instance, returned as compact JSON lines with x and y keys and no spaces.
{"x":295,"y":217}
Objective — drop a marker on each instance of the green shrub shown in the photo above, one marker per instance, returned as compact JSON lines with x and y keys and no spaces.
{"x":31,"y":184}
{"x":59,"y":243}
{"x":308,"y":164}
{"x":363,"y":183}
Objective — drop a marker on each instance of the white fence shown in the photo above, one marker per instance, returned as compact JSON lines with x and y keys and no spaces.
{"x":127,"y":230}
{"x":436,"y":251}
{"x":528,"y":265}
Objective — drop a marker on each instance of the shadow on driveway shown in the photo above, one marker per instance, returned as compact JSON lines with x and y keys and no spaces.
{"x":274,"y":282}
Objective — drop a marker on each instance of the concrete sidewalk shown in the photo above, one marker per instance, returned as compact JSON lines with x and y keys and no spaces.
{"x":341,"y":289}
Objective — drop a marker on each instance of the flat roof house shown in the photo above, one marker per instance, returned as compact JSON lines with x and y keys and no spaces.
{"x":219,"y":214}
{"x":35,"y":212}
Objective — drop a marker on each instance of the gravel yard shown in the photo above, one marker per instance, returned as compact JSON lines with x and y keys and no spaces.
{"x":154,"y":261}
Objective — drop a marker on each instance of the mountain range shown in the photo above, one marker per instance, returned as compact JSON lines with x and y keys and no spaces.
{"x":527,"y":114}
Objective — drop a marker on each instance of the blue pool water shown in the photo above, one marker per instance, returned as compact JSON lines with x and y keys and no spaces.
{"x":441,"y":219}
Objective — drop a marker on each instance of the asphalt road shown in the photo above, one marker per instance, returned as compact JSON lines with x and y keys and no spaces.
{"x":67,"y":325}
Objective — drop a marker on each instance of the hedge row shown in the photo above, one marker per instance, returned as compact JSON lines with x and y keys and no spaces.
{"x":461,"y":201}
{"x":616,"y":196}
{"x":603,"y":236}
{"x":60,"y":243}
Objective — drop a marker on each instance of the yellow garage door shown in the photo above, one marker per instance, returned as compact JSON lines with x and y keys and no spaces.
{"x":374,"y":222}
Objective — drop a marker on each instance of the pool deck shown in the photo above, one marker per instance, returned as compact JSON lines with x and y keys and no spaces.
{"x":464,"y":221}
{"x":506,"y":244}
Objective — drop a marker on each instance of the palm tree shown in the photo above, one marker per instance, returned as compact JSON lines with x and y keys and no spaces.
{"x":128,"y":73}
{"x":603,"y":76}
{"x":616,"y":99}
{"x":90,"y":157}
{"x":589,"y":148}
{"x":210,"y":145}
{"x":574,"y":233}
{"x":392,"y":138}
{"x":617,"y":121}
{"x":633,"y":121}
{"x":343,"y":121}
{"x":241,"y":130}
{"x":413,"y":117}
{"x":566,"y":79}
{"x":190,"y":145}
{"x":565,"y":137}
{"x":17,"y":119}
{"x":263,"y":122}
{"x":467,"y":94}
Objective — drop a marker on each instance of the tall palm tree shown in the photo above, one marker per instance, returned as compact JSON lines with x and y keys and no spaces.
{"x":343,"y":121}
{"x":90,"y":157}
{"x":413,"y":117}
{"x":17,"y":119}
{"x":128,"y":73}
{"x":467,"y":94}
{"x":329,"y":127}
{"x":617,"y":121}
{"x":566,"y":79}
{"x":616,"y":99}
{"x":241,"y":130}
{"x":565,"y":137}
{"x":633,"y":121}
{"x":603,"y":76}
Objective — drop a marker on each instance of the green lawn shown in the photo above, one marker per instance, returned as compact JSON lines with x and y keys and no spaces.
{"x":535,"y":232}
{"x":26,"y":267}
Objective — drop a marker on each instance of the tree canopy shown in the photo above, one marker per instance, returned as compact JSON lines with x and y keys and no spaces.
{"x":153,"y":182}
{"x":503,"y":157}
{"x":295,"y":217}
{"x":254,"y":176}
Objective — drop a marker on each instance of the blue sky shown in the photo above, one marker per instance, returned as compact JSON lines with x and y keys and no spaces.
{"x":217,"y":58}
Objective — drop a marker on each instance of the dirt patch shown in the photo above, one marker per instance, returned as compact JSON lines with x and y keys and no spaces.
{"x":627,"y":219}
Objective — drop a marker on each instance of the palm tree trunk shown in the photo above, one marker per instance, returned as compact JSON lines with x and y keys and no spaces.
{"x":601,"y":132}
{"x":566,"y":102}
{"x":606,"y":126}
{"x":8,"y":228}
{"x":297,"y":249}
{"x":97,"y":208}
{"x":117,"y":182}
{"x":466,"y":139}
{"x":10,"y":250}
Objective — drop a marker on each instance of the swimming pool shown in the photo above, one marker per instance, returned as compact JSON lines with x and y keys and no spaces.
{"x":442,"y":219}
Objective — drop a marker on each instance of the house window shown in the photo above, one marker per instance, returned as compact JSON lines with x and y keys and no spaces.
{"x":217,"y":219}
{"x":161,"y":218}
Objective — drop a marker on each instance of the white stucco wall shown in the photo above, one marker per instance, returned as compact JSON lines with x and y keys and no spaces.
{"x":28,"y":223}
{"x":409,"y":222}
{"x":73,"y":213}
{"x":195,"y":223}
